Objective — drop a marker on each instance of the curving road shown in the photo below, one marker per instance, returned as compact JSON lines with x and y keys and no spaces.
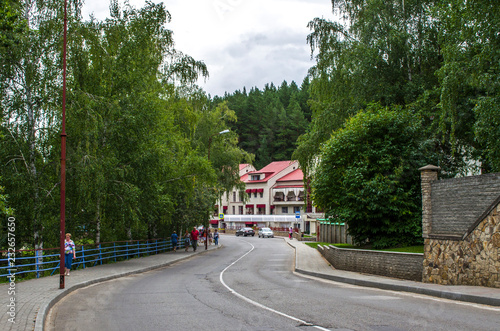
{"x":249,"y":284}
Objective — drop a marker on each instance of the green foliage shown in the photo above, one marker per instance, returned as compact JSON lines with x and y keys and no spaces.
{"x":437,"y":58}
{"x":138,"y":129}
{"x":487,"y":130}
{"x":368,"y":176}
{"x":469,"y":77}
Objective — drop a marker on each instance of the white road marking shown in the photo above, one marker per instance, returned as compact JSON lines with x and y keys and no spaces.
{"x":258,"y":304}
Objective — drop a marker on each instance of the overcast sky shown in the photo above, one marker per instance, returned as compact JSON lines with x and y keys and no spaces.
{"x":243,"y":43}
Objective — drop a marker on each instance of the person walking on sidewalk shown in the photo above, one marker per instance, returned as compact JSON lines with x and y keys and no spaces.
{"x":69,"y":253}
{"x":194,"y":238}
{"x":216,"y":237}
{"x":187,"y":240}
{"x":291,"y":233}
{"x":174,"y":238}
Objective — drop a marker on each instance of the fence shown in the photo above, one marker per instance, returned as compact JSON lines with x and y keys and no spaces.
{"x":42,"y":262}
{"x":334,"y":233}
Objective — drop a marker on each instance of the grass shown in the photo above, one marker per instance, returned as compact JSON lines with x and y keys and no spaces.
{"x":409,"y":249}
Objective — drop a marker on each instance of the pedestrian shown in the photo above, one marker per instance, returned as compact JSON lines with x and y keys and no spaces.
{"x":194,"y":238}
{"x":210,"y":237}
{"x":187,"y":240}
{"x":201,"y":237}
{"x":174,"y":238}
{"x":69,"y":253}
{"x":216,"y":237}
{"x":291,"y":233}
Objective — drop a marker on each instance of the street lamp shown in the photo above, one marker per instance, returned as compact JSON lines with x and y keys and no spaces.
{"x":210,"y":140}
{"x":209,"y":143}
{"x":63,"y":160}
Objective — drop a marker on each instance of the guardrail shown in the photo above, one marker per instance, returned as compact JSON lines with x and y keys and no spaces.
{"x":43,"y":262}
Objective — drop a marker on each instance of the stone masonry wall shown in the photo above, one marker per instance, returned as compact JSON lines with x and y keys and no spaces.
{"x":390,"y":264}
{"x":472,"y":261}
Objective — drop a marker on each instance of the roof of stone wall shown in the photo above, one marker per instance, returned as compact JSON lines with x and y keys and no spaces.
{"x":457,"y":203}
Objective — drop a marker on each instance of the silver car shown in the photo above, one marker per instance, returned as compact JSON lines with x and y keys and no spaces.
{"x":266,"y":232}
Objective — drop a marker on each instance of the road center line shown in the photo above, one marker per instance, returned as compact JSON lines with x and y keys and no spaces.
{"x":256,"y":303}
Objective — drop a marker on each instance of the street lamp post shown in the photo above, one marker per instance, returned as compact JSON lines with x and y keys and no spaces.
{"x":209,"y":143}
{"x":63,"y":160}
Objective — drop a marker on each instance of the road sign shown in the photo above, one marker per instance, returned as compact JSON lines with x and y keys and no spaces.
{"x":221,"y":216}
{"x":297,"y":214}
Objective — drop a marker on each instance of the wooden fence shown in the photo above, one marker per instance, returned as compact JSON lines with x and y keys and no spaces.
{"x":333,"y":233}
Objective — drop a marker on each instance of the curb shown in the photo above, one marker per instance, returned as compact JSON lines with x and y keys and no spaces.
{"x":405,"y":288}
{"x":401,"y":288}
{"x":45,"y":307}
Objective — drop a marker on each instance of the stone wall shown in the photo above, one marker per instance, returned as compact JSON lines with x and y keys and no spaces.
{"x":475,"y":260}
{"x":390,"y":264}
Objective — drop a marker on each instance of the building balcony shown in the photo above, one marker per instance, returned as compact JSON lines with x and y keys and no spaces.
{"x":294,"y":201}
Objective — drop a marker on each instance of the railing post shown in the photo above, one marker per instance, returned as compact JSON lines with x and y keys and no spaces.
{"x":36,"y":263}
{"x":156,"y":246}
{"x":100,"y":254}
{"x":127,"y":248}
{"x":138,"y":249}
{"x":83,"y":256}
{"x":114,"y":250}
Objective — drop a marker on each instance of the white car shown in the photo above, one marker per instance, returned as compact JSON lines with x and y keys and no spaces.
{"x":266,"y":232}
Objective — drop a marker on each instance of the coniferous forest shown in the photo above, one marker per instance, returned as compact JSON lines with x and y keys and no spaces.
{"x":395,"y":85}
{"x":270,"y":120}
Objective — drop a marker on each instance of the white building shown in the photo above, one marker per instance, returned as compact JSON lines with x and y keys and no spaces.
{"x":275,"y":198}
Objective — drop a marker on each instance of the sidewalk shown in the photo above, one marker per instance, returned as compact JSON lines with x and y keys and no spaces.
{"x":35,"y":297}
{"x":309,"y":261}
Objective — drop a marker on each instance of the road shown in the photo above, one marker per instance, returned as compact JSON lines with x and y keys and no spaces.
{"x":250,"y":285}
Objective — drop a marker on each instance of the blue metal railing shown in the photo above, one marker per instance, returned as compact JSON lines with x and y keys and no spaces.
{"x":44,"y":261}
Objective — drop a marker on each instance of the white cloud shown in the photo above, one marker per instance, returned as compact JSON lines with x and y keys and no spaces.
{"x":243,"y":43}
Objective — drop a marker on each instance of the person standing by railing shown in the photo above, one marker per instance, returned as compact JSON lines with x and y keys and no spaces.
{"x":187,"y":240}
{"x":69,"y":253}
{"x":174,"y":238}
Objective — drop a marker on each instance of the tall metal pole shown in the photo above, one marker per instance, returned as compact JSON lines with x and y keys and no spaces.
{"x":209,"y":143}
{"x":63,"y":159}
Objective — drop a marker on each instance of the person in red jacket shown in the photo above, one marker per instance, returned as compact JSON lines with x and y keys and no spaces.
{"x":194,"y":238}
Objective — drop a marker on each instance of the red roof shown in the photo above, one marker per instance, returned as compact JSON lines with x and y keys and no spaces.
{"x":294,"y":175}
{"x":243,"y":165}
{"x":270,"y":170}
{"x":289,"y":186}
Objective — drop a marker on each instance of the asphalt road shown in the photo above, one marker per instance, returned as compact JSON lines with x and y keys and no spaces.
{"x":250,"y":285}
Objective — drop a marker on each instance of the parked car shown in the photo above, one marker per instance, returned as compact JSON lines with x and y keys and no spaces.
{"x":245,"y":232}
{"x":266,"y":232}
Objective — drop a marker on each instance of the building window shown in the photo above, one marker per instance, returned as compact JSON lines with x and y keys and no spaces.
{"x":255,"y":177}
{"x":255,"y":194}
{"x":234,"y":209}
{"x":261,"y":194}
{"x":234,"y":196}
{"x":284,"y":210}
{"x":240,"y":210}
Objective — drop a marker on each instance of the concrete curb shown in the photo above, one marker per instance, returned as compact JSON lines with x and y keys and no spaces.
{"x":45,"y":307}
{"x":400,"y":287}
{"x":406,"y":288}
